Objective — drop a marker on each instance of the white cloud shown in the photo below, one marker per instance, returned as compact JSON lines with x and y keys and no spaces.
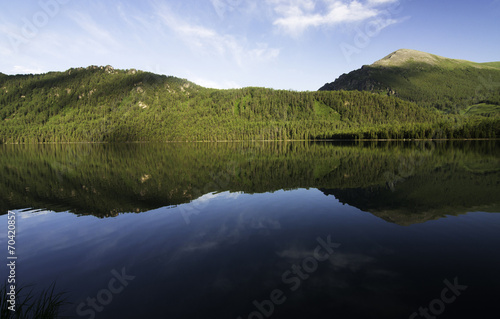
{"x":124,"y":15}
{"x":377,"y":2}
{"x":6,"y":41}
{"x":215,"y":84}
{"x":262,"y":52}
{"x":33,"y":213}
{"x":295,"y":16}
{"x":221,"y":7}
{"x":208,"y":40}
{"x":92,"y":29}
{"x":19,"y":69}
{"x":94,"y":38}
{"x":225,"y":8}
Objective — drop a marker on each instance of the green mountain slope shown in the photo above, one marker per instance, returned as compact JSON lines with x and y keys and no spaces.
{"x":101,"y":104}
{"x":431,"y":81}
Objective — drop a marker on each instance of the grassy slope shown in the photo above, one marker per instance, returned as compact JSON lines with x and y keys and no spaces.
{"x":482,"y":109}
{"x":431,"y":81}
{"x":491,"y":64}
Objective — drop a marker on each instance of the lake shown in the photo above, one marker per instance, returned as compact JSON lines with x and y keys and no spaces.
{"x":257,"y":230}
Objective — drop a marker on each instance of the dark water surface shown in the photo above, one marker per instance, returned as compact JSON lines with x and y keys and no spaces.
{"x":258,"y":230}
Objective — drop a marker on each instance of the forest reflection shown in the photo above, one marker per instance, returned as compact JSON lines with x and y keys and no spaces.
{"x":403,"y":182}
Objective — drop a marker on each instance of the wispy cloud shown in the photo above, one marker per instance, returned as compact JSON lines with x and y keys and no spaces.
{"x":295,"y":16}
{"x":92,"y":29}
{"x":208,"y":40}
{"x":376,"y":2}
{"x":221,"y":7}
{"x":224,"y":8}
{"x":19,"y":69}
{"x":6,"y":42}
{"x":209,"y":83}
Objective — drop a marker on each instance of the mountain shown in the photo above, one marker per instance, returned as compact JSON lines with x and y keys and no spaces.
{"x":102,"y":104}
{"x":403,"y":57}
{"x":431,"y":81}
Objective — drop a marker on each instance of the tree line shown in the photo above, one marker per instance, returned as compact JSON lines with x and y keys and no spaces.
{"x":100,"y":104}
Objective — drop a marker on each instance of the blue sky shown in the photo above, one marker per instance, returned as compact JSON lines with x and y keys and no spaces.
{"x":282,"y":44}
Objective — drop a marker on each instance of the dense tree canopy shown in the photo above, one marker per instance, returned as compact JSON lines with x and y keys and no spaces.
{"x":100,"y":104}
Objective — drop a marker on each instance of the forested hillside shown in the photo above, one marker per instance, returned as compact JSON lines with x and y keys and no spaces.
{"x":101,"y":104}
{"x":434,"y":82}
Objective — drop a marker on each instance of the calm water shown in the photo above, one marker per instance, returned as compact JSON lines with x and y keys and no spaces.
{"x":258,"y":230}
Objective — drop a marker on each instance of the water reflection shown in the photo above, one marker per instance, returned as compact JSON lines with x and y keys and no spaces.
{"x":233,"y":230}
{"x":239,"y":250}
{"x":400,"y":182}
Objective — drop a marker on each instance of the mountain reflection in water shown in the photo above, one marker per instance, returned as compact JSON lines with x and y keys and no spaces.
{"x":258,"y":230}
